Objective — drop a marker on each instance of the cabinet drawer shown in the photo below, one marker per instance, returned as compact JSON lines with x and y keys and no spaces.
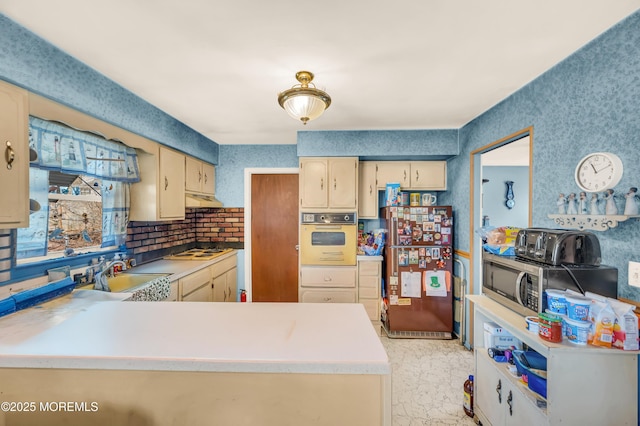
{"x":369,"y":282}
{"x":319,"y":276}
{"x":203,"y":294}
{"x":367,"y":267}
{"x":371,"y":306}
{"x":194,"y":281}
{"x":368,"y":293}
{"x":223,"y":266}
{"x":328,"y":296}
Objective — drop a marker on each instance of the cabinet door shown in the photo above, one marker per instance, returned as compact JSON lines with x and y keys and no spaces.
{"x":343,"y":183}
{"x":313,"y":183}
{"x":393,"y":172}
{"x":367,"y":191}
{"x":171,"y":194}
{"x":232,"y":285}
{"x":208,"y":179}
{"x":193,"y":175}
{"x":490,"y":390}
{"x":429,"y":175}
{"x":220,"y":288}
{"x":14,"y":167}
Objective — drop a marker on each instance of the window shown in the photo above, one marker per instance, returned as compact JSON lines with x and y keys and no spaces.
{"x":79,"y":190}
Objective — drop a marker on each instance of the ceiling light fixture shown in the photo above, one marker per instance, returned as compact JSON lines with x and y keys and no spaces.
{"x":302,"y":102}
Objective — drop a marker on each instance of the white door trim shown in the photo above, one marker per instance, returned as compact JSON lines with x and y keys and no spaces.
{"x":247,"y":217}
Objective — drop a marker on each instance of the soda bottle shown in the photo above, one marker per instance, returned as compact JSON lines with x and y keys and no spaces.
{"x":468,"y":396}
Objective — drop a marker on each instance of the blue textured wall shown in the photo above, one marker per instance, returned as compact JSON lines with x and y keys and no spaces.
{"x":494,"y":194}
{"x":589,"y":102}
{"x":437,"y":144}
{"x":34,"y":64}
{"x":235,"y":158}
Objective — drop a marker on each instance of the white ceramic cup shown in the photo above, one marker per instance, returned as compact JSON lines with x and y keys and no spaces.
{"x":428,"y":199}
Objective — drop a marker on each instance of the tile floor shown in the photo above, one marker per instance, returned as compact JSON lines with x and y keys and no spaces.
{"x":427,"y":381}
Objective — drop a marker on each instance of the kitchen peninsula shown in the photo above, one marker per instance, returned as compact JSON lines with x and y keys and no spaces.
{"x":195,"y":363}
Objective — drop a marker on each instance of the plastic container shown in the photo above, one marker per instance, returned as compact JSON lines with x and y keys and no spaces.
{"x":578,"y":307}
{"x":577,"y":331}
{"x":532,"y":324}
{"x":468,"y":396}
{"x":525,"y":360}
{"x":556,"y":301}
{"x":537,"y":381}
{"x":550,"y":327}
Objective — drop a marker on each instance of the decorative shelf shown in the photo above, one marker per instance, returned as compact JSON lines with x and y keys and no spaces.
{"x":589,"y":222}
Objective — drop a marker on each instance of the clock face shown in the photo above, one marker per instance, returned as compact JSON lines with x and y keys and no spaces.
{"x":598,"y":172}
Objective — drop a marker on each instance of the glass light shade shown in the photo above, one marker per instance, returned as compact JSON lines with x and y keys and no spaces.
{"x":304,"y":107}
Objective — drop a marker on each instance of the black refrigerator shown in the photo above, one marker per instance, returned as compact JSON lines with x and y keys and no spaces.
{"x":418,"y":271}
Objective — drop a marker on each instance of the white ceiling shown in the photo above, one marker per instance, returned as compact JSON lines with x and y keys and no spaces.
{"x":218,"y":65}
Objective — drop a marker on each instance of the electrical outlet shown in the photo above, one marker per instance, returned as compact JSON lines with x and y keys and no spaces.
{"x":634,"y":274}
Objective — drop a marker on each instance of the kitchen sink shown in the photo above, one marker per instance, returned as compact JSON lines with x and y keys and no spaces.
{"x":126,"y":281}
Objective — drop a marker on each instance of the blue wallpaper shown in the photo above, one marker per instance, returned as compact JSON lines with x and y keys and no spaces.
{"x":34,"y":64}
{"x":589,"y":102}
{"x":436,"y":144}
{"x":235,"y":158}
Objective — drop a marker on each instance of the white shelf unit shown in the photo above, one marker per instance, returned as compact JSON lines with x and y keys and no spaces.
{"x":585,"y":384}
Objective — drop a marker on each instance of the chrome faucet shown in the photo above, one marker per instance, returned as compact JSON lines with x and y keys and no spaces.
{"x":107,"y":270}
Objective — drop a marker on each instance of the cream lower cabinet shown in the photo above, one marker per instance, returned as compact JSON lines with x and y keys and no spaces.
{"x":196,"y":287}
{"x":14,"y":167}
{"x":369,"y":282}
{"x":225,"y":278}
{"x":174,"y":292}
{"x":586,"y":385}
{"x":160,"y":193}
{"x":329,"y":183}
{"x":328,"y":284}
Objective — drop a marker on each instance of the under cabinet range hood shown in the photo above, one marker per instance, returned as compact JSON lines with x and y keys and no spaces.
{"x":200,"y":201}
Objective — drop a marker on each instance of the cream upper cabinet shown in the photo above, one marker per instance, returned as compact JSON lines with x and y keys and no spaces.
{"x":428,"y":175}
{"x":160,"y":193}
{"x":367,"y":191}
{"x":393,"y":172}
{"x":14,"y":170}
{"x":329,"y":183}
{"x":199,"y":176}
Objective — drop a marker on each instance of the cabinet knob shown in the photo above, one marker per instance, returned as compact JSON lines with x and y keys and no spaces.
{"x":199,"y":176}
{"x":499,"y":390}
{"x":417,"y":176}
{"x":334,"y":183}
{"x":166,"y":183}
{"x":370,"y":190}
{"x":321,"y":183}
{"x":510,"y":402}
{"x":9,"y":155}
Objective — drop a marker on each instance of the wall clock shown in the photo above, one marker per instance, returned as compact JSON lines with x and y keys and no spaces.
{"x":598,"y":171}
{"x":509,"y":198}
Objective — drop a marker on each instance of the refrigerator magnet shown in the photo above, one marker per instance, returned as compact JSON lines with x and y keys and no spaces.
{"x":446,"y":253}
{"x":422,"y":264}
{"x":445,"y":239}
{"x":413,"y":257}
{"x":403,"y":258}
{"x":428,"y":226}
{"x":428,"y":238}
{"x":422,"y":252}
{"x":435,"y":253}
{"x":437,"y":218}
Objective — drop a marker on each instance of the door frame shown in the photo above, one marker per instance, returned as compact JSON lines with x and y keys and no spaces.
{"x":248,"y":172}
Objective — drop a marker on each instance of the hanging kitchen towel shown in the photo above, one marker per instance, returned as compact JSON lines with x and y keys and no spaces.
{"x":435,"y":283}
{"x":410,"y":284}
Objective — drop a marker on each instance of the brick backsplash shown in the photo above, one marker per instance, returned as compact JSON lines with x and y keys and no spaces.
{"x":216,"y":226}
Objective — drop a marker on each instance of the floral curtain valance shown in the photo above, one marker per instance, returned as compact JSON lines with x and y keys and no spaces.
{"x":71,"y":151}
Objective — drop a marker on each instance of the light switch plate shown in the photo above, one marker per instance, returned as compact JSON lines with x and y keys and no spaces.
{"x":634,"y":274}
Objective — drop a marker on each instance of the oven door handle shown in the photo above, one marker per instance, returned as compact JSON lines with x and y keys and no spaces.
{"x":323,"y":227}
{"x":518,"y":285}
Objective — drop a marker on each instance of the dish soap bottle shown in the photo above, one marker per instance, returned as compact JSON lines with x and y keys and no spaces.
{"x":468,"y":396}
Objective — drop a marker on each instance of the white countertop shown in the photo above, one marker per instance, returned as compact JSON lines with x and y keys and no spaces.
{"x":182,"y":336}
{"x":177,"y":268}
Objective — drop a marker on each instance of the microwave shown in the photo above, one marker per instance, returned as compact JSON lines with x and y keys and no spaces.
{"x":520,"y":284}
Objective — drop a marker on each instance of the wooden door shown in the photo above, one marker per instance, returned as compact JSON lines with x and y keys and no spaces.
{"x":274,"y":237}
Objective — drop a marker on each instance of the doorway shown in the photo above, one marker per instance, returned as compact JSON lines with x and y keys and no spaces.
{"x":523,"y":142}
{"x":271,"y":235}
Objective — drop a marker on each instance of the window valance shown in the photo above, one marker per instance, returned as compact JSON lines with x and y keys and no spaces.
{"x":72,"y":151}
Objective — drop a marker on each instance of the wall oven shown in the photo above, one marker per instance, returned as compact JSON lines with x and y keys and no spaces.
{"x":519,"y":284}
{"x":328,"y":239}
